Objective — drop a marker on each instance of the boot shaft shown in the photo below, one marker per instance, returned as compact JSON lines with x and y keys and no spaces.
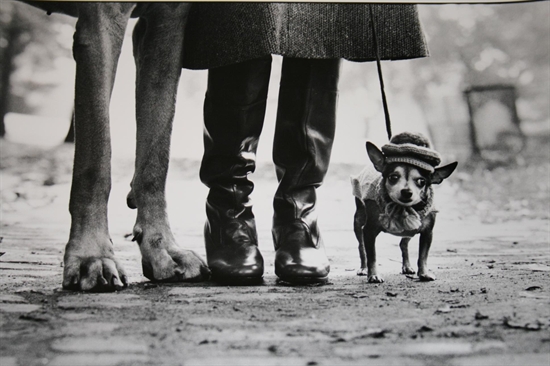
{"x":304,"y":134}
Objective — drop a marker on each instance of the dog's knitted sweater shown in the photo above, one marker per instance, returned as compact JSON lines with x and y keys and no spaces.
{"x":394,"y":218}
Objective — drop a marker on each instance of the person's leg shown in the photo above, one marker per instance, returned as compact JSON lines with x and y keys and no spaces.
{"x":234,"y":112}
{"x":302,"y":146}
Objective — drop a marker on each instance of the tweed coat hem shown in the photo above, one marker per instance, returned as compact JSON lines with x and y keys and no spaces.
{"x":219,"y":34}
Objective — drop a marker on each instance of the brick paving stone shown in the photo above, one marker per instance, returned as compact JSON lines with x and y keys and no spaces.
{"x":295,"y":361}
{"x":19,"y":274}
{"x":85,"y":329}
{"x":8,"y":361}
{"x":77,"y":316}
{"x":421,"y":349}
{"x":248,"y":361}
{"x":437,"y":348}
{"x":84,"y":301}
{"x":19,"y":308}
{"x":100,"y":345}
{"x":12,"y":299}
{"x":89,"y":359}
{"x":531,"y":359}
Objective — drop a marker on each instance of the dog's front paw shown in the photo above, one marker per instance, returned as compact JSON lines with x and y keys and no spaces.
{"x":426,"y":276}
{"x":375,"y":279}
{"x":362,"y":272}
{"x":163,"y":260}
{"x":174,"y":265}
{"x":88,"y":271}
{"x":407,"y":270}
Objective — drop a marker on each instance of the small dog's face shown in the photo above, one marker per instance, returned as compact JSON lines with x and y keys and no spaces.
{"x":406,"y":185}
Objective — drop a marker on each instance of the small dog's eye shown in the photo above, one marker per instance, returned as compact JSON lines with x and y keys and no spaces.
{"x":420,"y":182}
{"x":393,"y":178}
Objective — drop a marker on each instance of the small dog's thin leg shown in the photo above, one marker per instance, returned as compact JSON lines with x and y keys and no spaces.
{"x":370,"y":241}
{"x":424,"y":273}
{"x":358,"y":224}
{"x":404,"y":245}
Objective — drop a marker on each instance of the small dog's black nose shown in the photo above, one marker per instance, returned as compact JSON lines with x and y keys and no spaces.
{"x":406,"y":193}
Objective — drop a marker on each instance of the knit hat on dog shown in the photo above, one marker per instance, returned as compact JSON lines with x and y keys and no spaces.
{"x":411,"y":148}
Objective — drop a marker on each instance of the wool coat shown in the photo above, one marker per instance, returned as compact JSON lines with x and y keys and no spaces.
{"x":218,"y":34}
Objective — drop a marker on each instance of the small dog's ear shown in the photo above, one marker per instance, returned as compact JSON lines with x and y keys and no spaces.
{"x":443,"y":172}
{"x":376,"y":156}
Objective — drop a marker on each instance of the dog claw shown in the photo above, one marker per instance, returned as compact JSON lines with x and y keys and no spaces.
{"x":426,"y":277}
{"x":375,"y":279}
{"x":93,"y":273}
{"x":174,"y":265}
{"x":117,"y":284}
{"x":71,"y":283}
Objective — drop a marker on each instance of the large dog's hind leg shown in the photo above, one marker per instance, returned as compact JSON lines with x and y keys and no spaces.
{"x":89,"y":262}
{"x":158,"y":43}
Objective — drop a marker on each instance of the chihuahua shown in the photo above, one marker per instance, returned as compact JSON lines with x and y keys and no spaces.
{"x":396,"y":197}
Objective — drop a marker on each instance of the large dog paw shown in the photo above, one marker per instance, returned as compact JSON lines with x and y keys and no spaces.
{"x":426,"y":276}
{"x":375,"y":279}
{"x":407,"y":270}
{"x":97,"y":272}
{"x":163,"y":260}
{"x":362,"y":272}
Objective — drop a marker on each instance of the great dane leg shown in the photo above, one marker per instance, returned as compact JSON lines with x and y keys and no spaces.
{"x":89,"y":262}
{"x":158,"y":43}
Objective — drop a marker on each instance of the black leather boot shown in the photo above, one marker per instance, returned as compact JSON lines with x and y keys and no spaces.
{"x":234,"y":112}
{"x":304,"y":134}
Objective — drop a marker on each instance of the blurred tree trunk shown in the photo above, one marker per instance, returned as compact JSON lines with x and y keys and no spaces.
{"x":11,"y":33}
{"x":22,"y":25}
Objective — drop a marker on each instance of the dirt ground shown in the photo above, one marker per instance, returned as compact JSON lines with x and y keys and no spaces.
{"x":488,"y":306}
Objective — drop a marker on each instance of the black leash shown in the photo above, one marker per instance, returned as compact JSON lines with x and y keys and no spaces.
{"x":379,"y":66}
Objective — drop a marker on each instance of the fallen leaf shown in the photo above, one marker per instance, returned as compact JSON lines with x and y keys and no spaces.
{"x":369,"y":333}
{"x":38,"y":317}
{"x":445,"y":309}
{"x":517,"y":325}
{"x":480,"y":316}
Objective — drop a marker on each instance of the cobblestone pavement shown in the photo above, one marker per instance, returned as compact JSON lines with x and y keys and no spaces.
{"x":489,"y":305}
